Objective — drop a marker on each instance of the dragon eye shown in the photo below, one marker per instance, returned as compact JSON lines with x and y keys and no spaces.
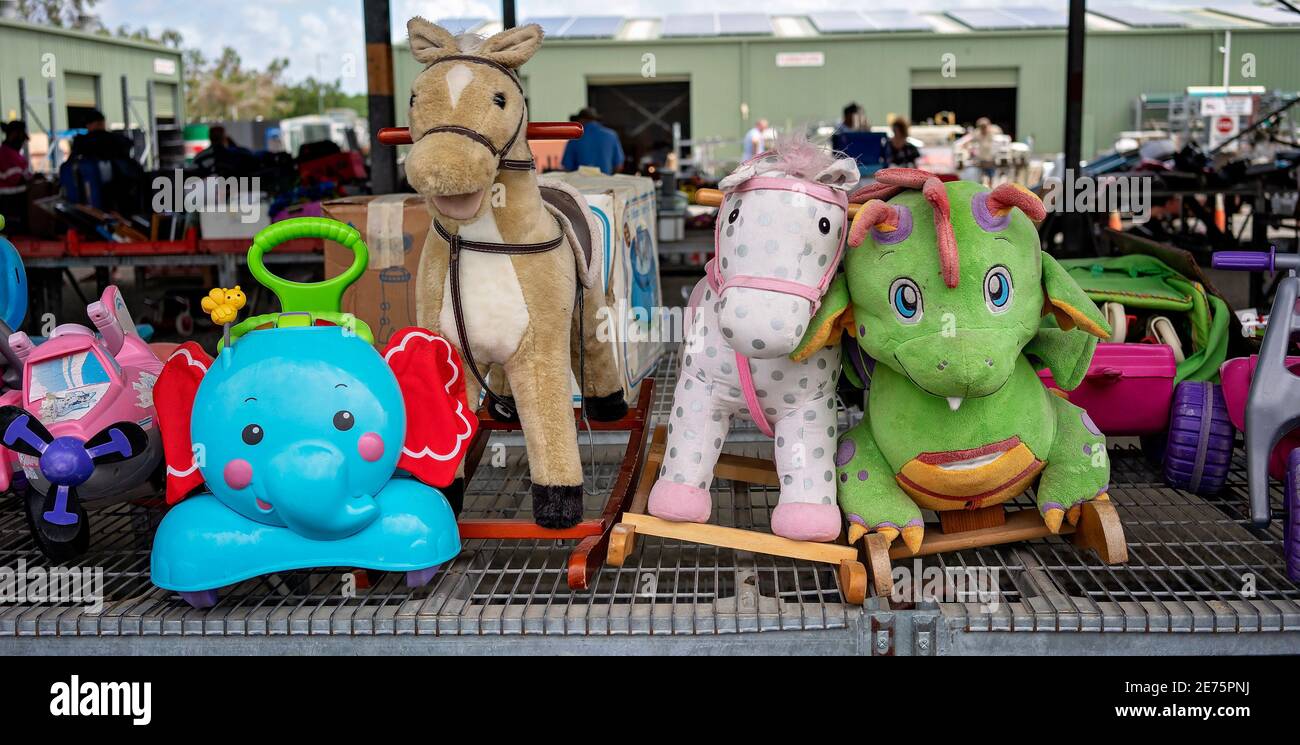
{"x":500,"y":100}
{"x":252,"y":434}
{"x":905,"y":297}
{"x":824,"y":225}
{"x":997,"y":289}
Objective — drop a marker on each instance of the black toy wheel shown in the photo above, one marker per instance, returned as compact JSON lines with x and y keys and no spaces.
{"x":59,"y":543}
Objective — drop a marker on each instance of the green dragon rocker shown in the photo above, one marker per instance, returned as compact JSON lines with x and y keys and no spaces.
{"x":945,"y":288}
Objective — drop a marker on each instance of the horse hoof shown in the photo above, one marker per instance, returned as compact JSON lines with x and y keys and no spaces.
{"x":680,"y":503}
{"x":800,"y":521}
{"x":610,"y":408}
{"x":557,"y":507}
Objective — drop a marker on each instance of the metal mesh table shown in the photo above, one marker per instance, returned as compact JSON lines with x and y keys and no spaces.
{"x":1194,"y":566}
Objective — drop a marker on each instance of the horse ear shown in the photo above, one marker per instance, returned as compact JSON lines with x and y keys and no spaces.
{"x":514,"y":46}
{"x":743,"y":173}
{"x":429,"y":41}
{"x":173,"y":399}
{"x":440,"y":424}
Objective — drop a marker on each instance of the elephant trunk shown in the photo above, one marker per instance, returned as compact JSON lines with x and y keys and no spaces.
{"x":310,"y":490}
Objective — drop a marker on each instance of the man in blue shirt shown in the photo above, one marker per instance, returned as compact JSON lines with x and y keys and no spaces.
{"x":598,"y":146}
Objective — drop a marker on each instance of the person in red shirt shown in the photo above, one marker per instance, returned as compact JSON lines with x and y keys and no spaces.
{"x":15,"y":173}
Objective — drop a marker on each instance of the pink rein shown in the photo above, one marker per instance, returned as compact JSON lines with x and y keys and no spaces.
{"x":813,"y":294}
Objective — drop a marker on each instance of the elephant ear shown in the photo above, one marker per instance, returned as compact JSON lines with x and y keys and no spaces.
{"x":1065,"y":299}
{"x":440,"y":424}
{"x":173,"y":399}
{"x":832,"y":320}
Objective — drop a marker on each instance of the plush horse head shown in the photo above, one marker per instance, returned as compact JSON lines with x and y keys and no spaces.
{"x":947,"y":285}
{"x":778,"y":240}
{"x":468,"y":113}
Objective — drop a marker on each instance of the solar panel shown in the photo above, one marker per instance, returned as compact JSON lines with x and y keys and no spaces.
{"x":552,"y":25}
{"x":747,"y":24}
{"x":458,"y":26}
{"x":988,"y":19}
{"x":1039,"y":17}
{"x":1271,"y":16}
{"x":593,"y":27}
{"x":839,"y":22}
{"x":690,"y":24}
{"x":1131,"y":15}
{"x":897,"y":20}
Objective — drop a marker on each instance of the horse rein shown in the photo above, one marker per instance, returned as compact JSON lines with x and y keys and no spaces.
{"x":500,"y":403}
{"x":508,"y":164}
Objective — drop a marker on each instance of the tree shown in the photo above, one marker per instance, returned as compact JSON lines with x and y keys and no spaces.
{"x":225,"y":90}
{"x":311,"y":96}
{"x":60,"y":13}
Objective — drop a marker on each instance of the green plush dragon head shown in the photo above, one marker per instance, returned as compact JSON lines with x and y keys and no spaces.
{"x":947,"y":285}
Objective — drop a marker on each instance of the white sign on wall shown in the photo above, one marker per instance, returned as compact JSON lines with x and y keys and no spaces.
{"x":800,"y":59}
{"x":164,"y":66}
{"x":1227,"y":106}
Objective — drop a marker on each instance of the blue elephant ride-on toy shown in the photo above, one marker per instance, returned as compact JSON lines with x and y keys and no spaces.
{"x":314,"y":449}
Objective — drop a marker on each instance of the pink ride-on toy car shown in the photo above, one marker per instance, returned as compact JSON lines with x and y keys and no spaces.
{"x":83,"y":428}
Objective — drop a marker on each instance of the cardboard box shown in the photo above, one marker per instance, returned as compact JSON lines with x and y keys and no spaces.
{"x":394,"y":227}
{"x":625,"y":207}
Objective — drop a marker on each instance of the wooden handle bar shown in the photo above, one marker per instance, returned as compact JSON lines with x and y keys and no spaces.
{"x":536,"y":131}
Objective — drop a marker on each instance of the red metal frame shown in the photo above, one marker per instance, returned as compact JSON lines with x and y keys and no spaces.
{"x":73,"y":245}
{"x":592,"y":534}
{"x":536,"y":131}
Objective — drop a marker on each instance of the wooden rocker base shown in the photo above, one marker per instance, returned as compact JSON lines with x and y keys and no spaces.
{"x":852,"y":573}
{"x":593,"y":534}
{"x":1099,"y":529}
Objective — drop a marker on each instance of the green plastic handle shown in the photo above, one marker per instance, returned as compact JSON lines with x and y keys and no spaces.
{"x":308,"y":297}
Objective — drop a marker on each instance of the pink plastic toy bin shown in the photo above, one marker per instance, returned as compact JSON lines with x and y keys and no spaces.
{"x":1127,"y":390}
{"x":1236,"y":375}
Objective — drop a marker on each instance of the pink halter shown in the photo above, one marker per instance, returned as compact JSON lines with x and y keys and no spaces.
{"x":812,"y":293}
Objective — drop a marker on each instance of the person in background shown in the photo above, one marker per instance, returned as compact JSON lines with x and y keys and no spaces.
{"x":100,"y":144}
{"x":984,"y":148}
{"x":853,"y":120}
{"x":899,"y":151}
{"x":15,"y":173}
{"x":755,"y":140}
{"x":598,"y":146}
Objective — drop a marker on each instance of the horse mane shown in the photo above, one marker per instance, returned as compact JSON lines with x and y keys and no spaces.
{"x":797,"y":156}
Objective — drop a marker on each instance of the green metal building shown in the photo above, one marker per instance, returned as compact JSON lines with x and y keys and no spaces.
{"x":87,"y":71}
{"x":717,"y":74}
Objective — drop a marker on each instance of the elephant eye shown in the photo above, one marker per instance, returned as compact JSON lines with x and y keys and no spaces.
{"x":905,"y":297}
{"x":824,"y":225}
{"x":500,"y":100}
{"x":997,"y":289}
{"x":344,"y":420}
{"x":252,"y":434}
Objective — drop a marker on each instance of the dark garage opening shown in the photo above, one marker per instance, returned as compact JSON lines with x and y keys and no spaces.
{"x":643,"y":115}
{"x":969,"y":104}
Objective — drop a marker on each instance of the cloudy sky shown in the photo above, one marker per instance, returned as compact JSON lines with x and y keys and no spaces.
{"x":327,"y":34}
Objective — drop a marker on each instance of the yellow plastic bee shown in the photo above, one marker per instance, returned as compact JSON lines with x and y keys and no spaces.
{"x":224,"y":305}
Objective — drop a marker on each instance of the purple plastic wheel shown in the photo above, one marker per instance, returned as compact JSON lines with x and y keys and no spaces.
{"x":1291,"y":524}
{"x":1198,"y":450}
{"x":421,"y":577}
{"x":200,"y":599}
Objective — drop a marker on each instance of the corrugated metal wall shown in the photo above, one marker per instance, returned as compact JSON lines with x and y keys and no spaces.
{"x":35,"y":52}
{"x":877,"y":70}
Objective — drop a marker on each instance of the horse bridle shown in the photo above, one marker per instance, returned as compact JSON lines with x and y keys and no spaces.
{"x":456,"y":244}
{"x":509,"y":164}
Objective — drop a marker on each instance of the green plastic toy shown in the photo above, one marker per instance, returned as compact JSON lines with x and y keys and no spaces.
{"x":306,"y":303}
{"x":944,"y":287}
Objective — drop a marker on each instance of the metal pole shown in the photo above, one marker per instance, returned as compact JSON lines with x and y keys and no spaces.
{"x":1076,"y":226}
{"x":22,"y":112}
{"x":508,"y":14}
{"x":379,"y":84}
{"x":154,"y":162}
{"x":54,"y":126}
{"x":126,"y":105}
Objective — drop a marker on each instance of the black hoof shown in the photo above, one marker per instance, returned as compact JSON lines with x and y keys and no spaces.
{"x":504,"y":410}
{"x":557,"y":506}
{"x":609,"y":408}
{"x":455,"y":494}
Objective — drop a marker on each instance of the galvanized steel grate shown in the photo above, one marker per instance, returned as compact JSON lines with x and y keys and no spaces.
{"x":1193,"y":563}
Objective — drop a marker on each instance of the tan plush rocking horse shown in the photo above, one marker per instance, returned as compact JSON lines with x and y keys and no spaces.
{"x":510,"y":258}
